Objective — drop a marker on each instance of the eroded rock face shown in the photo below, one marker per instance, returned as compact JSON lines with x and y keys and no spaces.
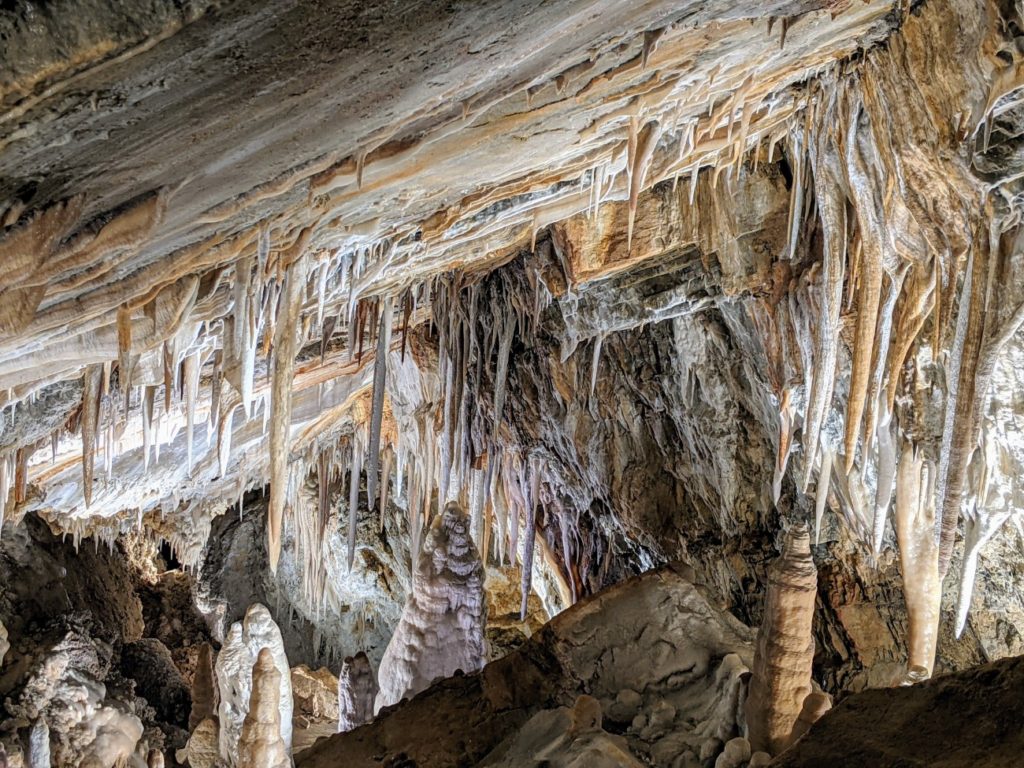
{"x":566,"y":738}
{"x":442,"y":625}
{"x":960,"y":720}
{"x":662,"y":662}
{"x":235,"y":662}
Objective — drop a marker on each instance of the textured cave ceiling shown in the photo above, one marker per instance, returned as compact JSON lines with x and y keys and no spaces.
{"x":634,"y":282}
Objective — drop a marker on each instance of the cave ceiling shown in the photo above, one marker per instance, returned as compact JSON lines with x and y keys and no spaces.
{"x":244,"y":242}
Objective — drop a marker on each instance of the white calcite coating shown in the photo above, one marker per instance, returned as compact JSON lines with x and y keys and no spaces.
{"x":234,"y":666}
{"x":442,"y":625}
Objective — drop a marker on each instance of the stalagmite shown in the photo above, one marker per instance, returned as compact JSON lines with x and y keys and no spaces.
{"x":286,"y":341}
{"x":919,"y":558}
{"x":234,"y":667}
{"x":39,"y":745}
{"x":784,"y":652}
{"x":380,"y":367}
{"x":442,"y":624}
{"x":357,"y":690}
{"x":204,"y":688}
{"x":155,"y":759}
{"x":260,"y":744}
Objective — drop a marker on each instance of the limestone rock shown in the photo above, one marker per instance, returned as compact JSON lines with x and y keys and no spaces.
{"x":442,"y":625}
{"x":566,"y":738}
{"x":315,"y":693}
{"x":912,"y":725}
{"x":656,"y":635}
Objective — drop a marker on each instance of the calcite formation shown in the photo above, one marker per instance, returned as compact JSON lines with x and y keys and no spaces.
{"x":357,"y":692}
{"x":236,"y":660}
{"x":442,"y":625}
{"x":204,"y":688}
{"x":333,"y":306}
{"x":260,"y":743}
{"x":662,"y":663}
{"x":781,"y":679}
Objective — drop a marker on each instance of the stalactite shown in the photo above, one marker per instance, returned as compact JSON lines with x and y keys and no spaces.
{"x":786,"y":426}
{"x":832,"y":213}
{"x":353,"y":500}
{"x":377,"y":409}
{"x":191,"y":386}
{"x":919,"y":559}
{"x":821,"y":492}
{"x":784,"y":652}
{"x":529,"y":535}
{"x":501,"y":371}
{"x":285,"y":348}
{"x":886,"y":475}
{"x":385,"y":482}
{"x":124,"y":349}
{"x":89,"y":421}
{"x":148,"y":400}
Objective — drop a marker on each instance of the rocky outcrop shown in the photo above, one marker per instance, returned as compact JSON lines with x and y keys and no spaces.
{"x":357,"y":692}
{"x":666,"y":666}
{"x":963,"y":720}
{"x":235,"y":663}
{"x":260,"y":743}
{"x":781,"y":680}
{"x":442,"y":625}
{"x":148,"y":662}
{"x":565,"y":738}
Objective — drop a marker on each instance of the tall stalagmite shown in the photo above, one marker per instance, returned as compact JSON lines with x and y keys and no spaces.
{"x":442,"y":624}
{"x":260,"y":744}
{"x":784,"y":652}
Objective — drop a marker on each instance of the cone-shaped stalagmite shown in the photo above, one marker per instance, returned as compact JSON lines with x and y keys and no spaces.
{"x":784,"y":652}
{"x":442,"y":624}
{"x":261,"y":744}
{"x":204,"y":688}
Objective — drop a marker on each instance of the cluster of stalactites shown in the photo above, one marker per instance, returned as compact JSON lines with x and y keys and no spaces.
{"x":920,"y":272}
